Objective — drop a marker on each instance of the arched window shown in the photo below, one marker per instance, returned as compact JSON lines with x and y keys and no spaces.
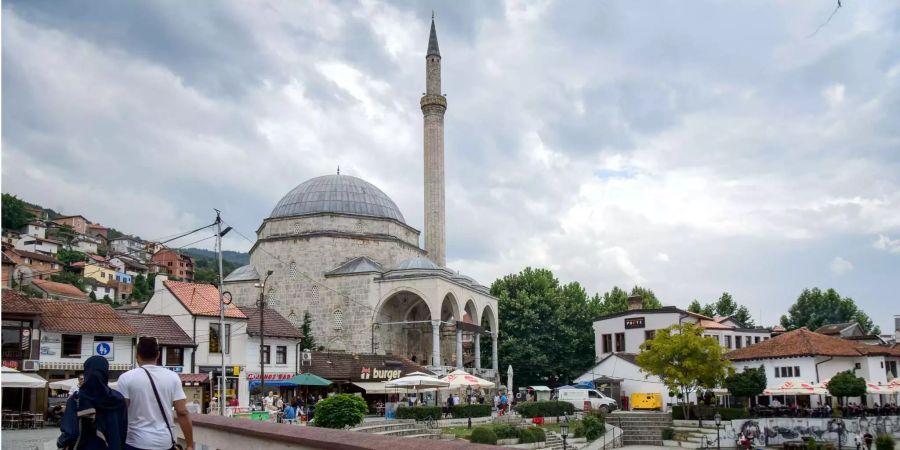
{"x":314,"y":294}
{"x":292,"y":270}
{"x":338,"y":317}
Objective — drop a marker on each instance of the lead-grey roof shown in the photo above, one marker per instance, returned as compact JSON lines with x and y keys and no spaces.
{"x":243,"y":273}
{"x":337,"y":194}
{"x":432,"y":42}
{"x":417,"y":263}
{"x":357,"y":265}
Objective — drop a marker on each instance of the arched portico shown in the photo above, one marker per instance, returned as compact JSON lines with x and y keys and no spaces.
{"x":489,"y":322}
{"x":402,"y":326}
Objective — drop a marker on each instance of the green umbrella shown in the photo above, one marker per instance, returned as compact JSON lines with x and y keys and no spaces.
{"x":308,"y":379}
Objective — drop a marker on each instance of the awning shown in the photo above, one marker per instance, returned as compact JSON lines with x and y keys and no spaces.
{"x":375,"y":387}
{"x":12,"y":378}
{"x":255,"y":383}
{"x":540,"y":388}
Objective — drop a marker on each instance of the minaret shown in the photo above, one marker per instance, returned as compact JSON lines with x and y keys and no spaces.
{"x":433,"y":106}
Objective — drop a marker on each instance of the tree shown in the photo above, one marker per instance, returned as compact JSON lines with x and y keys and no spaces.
{"x":815,"y":308}
{"x":68,"y":278}
{"x":695,"y":307}
{"x":684,"y":360}
{"x":616,"y":299}
{"x":749,"y":383}
{"x":139,"y":291}
{"x":307,"y":342}
{"x":93,"y":297}
{"x":68,"y":257}
{"x":339,"y":411}
{"x":846,"y":384}
{"x":63,"y":233}
{"x":724,"y":306}
{"x":547,"y":327}
{"x":15,"y":213}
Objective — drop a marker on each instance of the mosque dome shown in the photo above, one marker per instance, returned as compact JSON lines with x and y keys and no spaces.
{"x":337,"y":194}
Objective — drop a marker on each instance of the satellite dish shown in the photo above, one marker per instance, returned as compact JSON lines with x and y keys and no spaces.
{"x":23,"y":275}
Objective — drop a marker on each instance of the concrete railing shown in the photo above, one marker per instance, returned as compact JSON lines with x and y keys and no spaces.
{"x":217,"y":432}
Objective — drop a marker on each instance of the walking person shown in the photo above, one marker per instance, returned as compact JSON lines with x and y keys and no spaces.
{"x":96,"y":416}
{"x":151,"y":392}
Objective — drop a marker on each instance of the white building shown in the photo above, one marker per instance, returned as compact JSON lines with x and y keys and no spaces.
{"x":87,"y":244}
{"x":34,"y":229}
{"x":279,"y":352}
{"x":38,"y":245}
{"x":811,"y":357}
{"x":128,"y":246}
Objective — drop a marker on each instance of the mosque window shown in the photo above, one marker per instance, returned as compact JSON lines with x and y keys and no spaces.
{"x":338,"y":320}
{"x":314,"y":294}
{"x":298,"y":228}
{"x":271,"y":299}
{"x":292,"y":271}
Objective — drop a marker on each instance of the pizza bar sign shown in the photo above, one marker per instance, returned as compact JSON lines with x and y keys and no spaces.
{"x":368,"y":373}
{"x":634,"y":322}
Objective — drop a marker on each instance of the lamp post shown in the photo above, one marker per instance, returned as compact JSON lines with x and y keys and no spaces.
{"x":718,"y":418}
{"x":839,"y":421}
{"x":564,"y":431}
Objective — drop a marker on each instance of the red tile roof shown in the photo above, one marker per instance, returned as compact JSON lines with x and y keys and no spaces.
{"x":15,"y":302}
{"x":61,"y":289}
{"x":163,"y":328}
{"x":37,"y":256}
{"x":87,"y":318}
{"x":801,"y":342}
{"x":201,"y":299}
{"x":276,"y":324}
{"x":714,"y":325}
{"x":193,"y":377}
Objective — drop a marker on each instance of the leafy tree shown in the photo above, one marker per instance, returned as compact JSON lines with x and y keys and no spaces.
{"x":64,"y":233}
{"x":68,"y":278}
{"x":15,"y":215}
{"x":339,"y":411}
{"x":68,"y":257}
{"x":749,"y":383}
{"x":307,"y":342}
{"x":724,"y":306}
{"x":205,"y":275}
{"x":547,"y":333}
{"x":684,"y":360}
{"x":616,"y":300}
{"x":695,"y":307}
{"x":93,"y":297}
{"x":815,"y":308}
{"x":846,"y":384}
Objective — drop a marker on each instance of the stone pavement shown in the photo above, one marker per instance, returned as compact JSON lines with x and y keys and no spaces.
{"x":40,"y":439}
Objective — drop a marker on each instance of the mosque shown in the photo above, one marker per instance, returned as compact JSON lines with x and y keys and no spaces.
{"x":339,"y":248}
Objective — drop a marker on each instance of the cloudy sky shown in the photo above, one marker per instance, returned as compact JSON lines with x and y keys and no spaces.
{"x":691,"y":147}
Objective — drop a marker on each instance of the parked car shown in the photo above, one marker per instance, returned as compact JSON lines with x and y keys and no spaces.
{"x":577,"y":397}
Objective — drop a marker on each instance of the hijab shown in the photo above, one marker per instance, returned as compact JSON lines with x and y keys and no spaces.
{"x":95,"y":393}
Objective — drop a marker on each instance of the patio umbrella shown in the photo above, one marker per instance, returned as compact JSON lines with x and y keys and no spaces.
{"x":68,"y":385}
{"x":308,"y":379}
{"x":460,"y":379}
{"x":12,"y":378}
{"x":793,"y":387}
{"x":509,"y":379}
{"x":873,"y":388}
{"x":417,"y":380}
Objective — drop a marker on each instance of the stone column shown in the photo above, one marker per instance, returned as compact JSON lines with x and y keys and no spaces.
{"x":477,"y":350}
{"x":494,"y":361}
{"x":436,"y":342}
{"x":459,"y":352}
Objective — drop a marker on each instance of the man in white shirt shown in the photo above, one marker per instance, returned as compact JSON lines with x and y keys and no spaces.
{"x":148,"y":427}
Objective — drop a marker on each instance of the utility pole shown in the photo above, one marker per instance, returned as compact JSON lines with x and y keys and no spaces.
{"x":261,"y":304}
{"x":222,"y":337}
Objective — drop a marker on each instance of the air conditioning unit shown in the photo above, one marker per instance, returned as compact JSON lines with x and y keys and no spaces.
{"x":31,"y":365}
{"x":306,"y":357}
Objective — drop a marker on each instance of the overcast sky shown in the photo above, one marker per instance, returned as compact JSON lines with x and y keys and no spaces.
{"x":690,"y":147}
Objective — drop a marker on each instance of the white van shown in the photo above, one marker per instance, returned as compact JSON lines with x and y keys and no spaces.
{"x":577,"y":397}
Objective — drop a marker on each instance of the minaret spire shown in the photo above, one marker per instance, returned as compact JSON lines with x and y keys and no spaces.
{"x":434,"y":104}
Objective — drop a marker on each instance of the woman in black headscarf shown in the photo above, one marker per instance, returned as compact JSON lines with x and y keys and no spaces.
{"x":96,"y":416}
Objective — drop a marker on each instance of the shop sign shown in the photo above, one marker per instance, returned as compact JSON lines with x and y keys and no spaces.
{"x":371,"y":373}
{"x":50,"y":340}
{"x":270,"y":376}
{"x":45,"y":350}
{"x":634,"y":322}
{"x":12,"y":364}
{"x":176,"y":369}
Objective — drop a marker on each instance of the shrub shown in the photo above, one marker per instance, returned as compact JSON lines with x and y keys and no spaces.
{"x":577,"y":428}
{"x":593,"y":427}
{"x":483,"y":435}
{"x":668,"y":433}
{"x":811,"y":444}
{"x":340,"y":410}
{"x":547,"y":408}
{"x":532,"y":434}
{"x":477,"y":410}
{"x":505,"y":431}
{"x":419,"y":413}
{"x":884,"y":442}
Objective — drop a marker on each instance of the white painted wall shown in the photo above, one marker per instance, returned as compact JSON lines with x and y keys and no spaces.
{"x":36,"y":246}
{"x":51,"y":342}
{"x":252,"y":355}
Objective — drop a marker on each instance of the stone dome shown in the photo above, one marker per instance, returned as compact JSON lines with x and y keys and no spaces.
{"x":337,"y":194}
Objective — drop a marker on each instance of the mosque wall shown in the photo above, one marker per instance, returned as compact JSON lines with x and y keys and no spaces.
{"x":338,"y":222}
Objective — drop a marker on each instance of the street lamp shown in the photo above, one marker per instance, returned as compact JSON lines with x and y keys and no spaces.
{"x":718,"y":418}
{"x":839,"y":421}
{"x":564,"y":431}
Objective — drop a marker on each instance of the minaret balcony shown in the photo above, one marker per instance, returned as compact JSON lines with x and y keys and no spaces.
{"x":433,"y":100}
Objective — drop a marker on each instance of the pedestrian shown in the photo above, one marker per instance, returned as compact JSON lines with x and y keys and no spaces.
{"x":96,"y":416}
{"x":214,"y":406}
{"x":151,"y":392}
{"x":868,"y":440}
{"x":504,"y":401}
{"x":497,"y":402}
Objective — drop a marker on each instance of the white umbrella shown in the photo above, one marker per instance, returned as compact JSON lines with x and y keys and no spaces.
{"x":12,"y":378}
{"x":71,"y":383}
{"x":416,"y":380}
{"x":460,"y":379}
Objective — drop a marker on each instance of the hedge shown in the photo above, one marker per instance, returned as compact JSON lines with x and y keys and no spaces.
{"x":339,"y":411}
{"x":476,"y":410}
{"x":505,"y":431}
{"x":709,"y":413}
{"x":547,"y":408}
{"x":483,"y":435}
{"x":532,"y":434}
{"x":419,"y":413}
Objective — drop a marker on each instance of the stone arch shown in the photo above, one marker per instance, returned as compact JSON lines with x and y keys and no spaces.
{"x":489,"y":319}
{"x":471,"y":310}
{"x":400,"y":289}
{"x":450,"y":310}
{"x":402,"y":326}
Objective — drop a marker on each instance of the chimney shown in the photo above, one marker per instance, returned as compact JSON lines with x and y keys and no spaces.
{"x":635,"y":302}
{"x":158,"y":283}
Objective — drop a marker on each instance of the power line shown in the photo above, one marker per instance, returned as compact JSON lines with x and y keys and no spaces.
{"x":836,"y":8}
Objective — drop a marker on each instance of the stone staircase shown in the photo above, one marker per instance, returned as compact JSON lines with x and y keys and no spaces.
{"x":399,"y":428}
{"x":694,"y":436}
{"x":640,"y":428}
{"x":554,"y":441}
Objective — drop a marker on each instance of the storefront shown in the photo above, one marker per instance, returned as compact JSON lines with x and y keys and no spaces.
{"x":275,"y":382}
{"x":211,"y":385}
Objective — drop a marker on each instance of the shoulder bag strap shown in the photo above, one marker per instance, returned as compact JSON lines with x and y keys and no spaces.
{"x":162,"y":410}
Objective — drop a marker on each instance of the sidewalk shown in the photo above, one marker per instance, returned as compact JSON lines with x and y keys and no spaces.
{"x":40,"y":439}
